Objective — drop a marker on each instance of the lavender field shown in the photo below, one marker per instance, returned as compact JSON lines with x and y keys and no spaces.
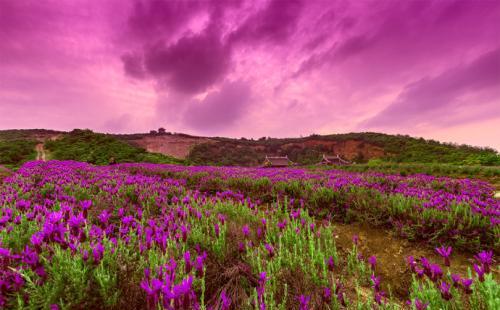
{"x":146,"y":236}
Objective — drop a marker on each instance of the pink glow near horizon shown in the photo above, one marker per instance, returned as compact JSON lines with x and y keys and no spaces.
{"x":253,"y":68}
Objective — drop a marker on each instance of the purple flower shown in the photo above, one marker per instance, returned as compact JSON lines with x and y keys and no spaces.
{"x":419,"y":305}
{"x":340,"y":294}
{"x":379,"y":295}
{"x":30,"y":257}
{"x":36,"y":240}
{"x":376,"y":282}
{"x":485,"y":258}
{"x":445,"y":290}
{"x":199,"y":263}
{"x":411,"y":262}
{"x":187,"y":262}
{"x":85,"y":255}
{"x":222,"y":218}
{"x":270,"y":249}
{"x":246,"y":230}
{"x":436,"y":272}
{"x":304,"y":302}
{"x":355,"y":239}
{"x":241,"y":247}
{"x":86,"y":204}
{"x":127,"y":220}
{"x":327,"y":295}
{"x":445,"y":252}
{"x":456,"y":280}
{"x":98,"y":253}
{"x":261,"y":289}
{"x":152,"y":289}
{"x":330,"y":263}
{"x":225,"y":301}
{"x":480,"y":272}
{"x":466,"y":283}
{"x":259,"y":233}
{"x":420,"y":272}
{"x":372,"y":260}
{"x":262,"y":277}
{"x":183,"y":288}
{"x":40,"y":271}
{"x":75,"y":222}
{"x":282,"y":225}
{"x":184,"y":232}
{"x":217,"y":230}
{"x":104,"y":217}
{"x":426,"y":264}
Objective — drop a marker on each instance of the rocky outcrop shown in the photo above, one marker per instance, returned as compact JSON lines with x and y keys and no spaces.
{"x":349,"y":149}
{"x":177,"y":146}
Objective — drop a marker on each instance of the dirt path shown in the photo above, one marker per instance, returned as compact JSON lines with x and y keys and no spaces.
{"x":40,"y":152}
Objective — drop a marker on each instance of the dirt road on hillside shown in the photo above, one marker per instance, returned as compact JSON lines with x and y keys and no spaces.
{"x":40,"y":152}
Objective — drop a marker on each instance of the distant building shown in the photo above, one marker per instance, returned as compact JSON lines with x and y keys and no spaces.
{"x":333,"y":160}
{"x":277,"y":161}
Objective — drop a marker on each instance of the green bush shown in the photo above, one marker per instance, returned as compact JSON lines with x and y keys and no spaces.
{"x":101,"y":149}
{"x":16,"y":152}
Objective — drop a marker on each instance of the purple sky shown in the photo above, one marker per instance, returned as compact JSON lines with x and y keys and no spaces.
{"x":253,"y":68}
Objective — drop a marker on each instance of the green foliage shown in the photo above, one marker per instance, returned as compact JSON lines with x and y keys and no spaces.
{"x":100,"y":149}
{"x":486,"y":294}
{"x":16,"y":152}
{"x":68,"y":282}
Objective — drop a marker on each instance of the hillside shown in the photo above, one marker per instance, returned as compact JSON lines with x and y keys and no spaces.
{"x":357,"y":147}
{"x":17,"y":146}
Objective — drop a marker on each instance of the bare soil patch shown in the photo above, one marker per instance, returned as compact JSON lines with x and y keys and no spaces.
{"x":171,"y":145}
{"x":391,"y":253}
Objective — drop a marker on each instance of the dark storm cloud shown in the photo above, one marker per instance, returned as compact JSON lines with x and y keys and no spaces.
{"x":191,"y":64}
{"x":197,"y":61}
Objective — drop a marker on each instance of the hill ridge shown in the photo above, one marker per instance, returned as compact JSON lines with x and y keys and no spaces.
{"x":358,"y":147}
